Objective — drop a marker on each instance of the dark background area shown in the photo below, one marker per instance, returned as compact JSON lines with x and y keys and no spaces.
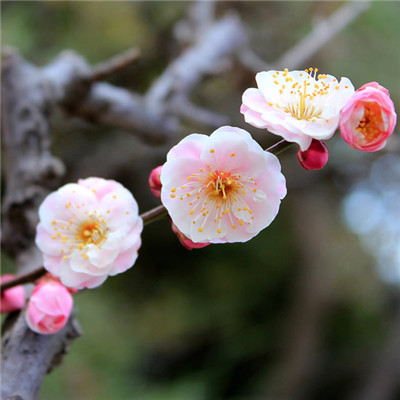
{"x":302,"y":311}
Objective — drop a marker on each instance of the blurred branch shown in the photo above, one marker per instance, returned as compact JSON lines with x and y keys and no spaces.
{"x":207,"y":55}
{"x":30,"y":170}
{"x":71,"y":82}
{"x":117,"y":63}
{"x":301,"y":52}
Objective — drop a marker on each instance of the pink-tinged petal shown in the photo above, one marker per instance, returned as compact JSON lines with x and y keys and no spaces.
{"x":374,"y":85}
{"x":83,"y":265}
{"x":12,"y":299}
{"x":253,"y":99}
{"x":176,"y":173}
{"x":125,"y":260}
{"x":132,"y":238}
{"x":225,"y":151}
{"x":47,"y":242}
{"x":119,"y":208}
{"x":100,"y":187}
{"x":64,"y":203}
{"x":254,"y":118}
{"x":189,"y":147}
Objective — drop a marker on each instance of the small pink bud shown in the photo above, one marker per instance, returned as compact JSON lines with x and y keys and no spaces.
{"x":49,"y":307}
{"x":315,"y":157}
{"x":185,"y":241}
{"x":368,"y":118}
{"x":154,"y":182}
{"x":12,"y":299}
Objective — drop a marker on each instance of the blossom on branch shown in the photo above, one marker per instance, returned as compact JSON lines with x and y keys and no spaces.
{"x":221,"y":188}
{"x":297,"y":105}
{"x":12,"y":299}
{"x":88,"y":231}
{"x":49,"y":307}
{"x":368,"y":118}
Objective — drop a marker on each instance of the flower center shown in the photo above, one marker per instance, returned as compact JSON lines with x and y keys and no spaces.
{"x":78,"y":233}
{"x":371,"y":123}
{"x":215,"y":197}
{"x":91,"y":232}
{"x":303,"y":98}
{"x":221,"y":184}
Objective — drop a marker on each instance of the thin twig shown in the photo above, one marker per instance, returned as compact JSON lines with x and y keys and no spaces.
{"x":154,"y":214}
{"x":117,"y":63}
{"x":279,"y":147}
{"x":28,"y":277}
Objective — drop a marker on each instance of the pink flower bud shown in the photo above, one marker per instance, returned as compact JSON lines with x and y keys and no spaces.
{"x":12,"y":299}
{"x":154,"y":182}
{"x":185,"y":241}
{"x":49,"y":307}
{"x":368,"y":118}
{"x":315,"y":157}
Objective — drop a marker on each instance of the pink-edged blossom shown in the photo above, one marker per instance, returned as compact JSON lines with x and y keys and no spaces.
{"x":315,"y":157}
{"x":297,"y":105}
{"x":88,"y":231}
{"x":12,"y":299}
{"x":221,"y":188}
{"x":185,"y":241}
{"x":49,"y":307}
{"x":368,"y":118}
{"x":154,"y":181}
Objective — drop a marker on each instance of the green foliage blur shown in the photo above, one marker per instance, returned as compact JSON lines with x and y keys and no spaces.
{"x":299,"y":312}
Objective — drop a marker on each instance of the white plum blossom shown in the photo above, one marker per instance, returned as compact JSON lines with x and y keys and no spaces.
{"x":88,"y":231}
{"x":297,"y":105}
{"x":221,"y":188}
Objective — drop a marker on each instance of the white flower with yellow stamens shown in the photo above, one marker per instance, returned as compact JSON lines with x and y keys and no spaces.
{"x":88,"y":231}
{"x":297,"y":105}
{"x":221,"y":188}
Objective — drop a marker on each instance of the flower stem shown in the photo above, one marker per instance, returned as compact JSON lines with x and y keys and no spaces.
{"x":279,"y":147}
{"x":154,"y":214}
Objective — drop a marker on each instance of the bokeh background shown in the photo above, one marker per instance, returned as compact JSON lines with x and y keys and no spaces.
{"x":310,"y":308}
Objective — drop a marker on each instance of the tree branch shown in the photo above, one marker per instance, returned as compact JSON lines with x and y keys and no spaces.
{"x":30,"y":171}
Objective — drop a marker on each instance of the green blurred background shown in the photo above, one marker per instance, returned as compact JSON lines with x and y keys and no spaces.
{"x":302,"y":311}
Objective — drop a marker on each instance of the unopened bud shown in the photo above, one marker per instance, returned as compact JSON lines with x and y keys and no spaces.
{"x":315,"y":157}
{"x":154,"y":181}
{"x":12,"y":299}
{"x":49,"y":307}
{"x":185,"y":241}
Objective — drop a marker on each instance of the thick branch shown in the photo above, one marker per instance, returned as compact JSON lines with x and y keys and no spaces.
{"x":30,"y":171}
{"x":222,"y":39}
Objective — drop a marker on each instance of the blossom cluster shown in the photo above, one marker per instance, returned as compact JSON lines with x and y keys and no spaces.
{"x":217,"y":188}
